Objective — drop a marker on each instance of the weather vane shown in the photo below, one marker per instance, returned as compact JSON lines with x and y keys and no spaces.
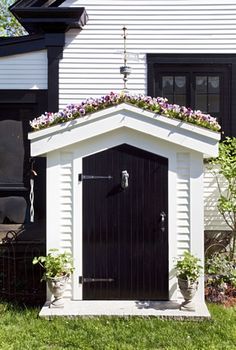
{"x":125,"y":70}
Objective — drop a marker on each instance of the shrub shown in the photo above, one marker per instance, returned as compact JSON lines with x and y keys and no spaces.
{"x":220,"y":284}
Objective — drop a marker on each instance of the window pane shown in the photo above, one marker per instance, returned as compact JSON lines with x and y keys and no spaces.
{"x":180,"y":84}
{"x":11,"y":152}
{"x":180,"y":100}
{"x":213,"y":103}
{"x":201,"y":84}
{"x":170,"y":98}
{"x":201,"y":102}
{"x":167,"y":85}
{"x":213,"y":84}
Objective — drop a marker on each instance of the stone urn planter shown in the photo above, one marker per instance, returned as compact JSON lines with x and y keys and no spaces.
{"x":188,"y":272}
{"x":57,"y":287}
{"x":188,"y":290}
{"x":58,"y":268}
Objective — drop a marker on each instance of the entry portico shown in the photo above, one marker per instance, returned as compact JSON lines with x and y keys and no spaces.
{"x":125,"y":241}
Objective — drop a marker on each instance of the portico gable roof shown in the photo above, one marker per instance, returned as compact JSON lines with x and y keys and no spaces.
{"x":128,"y":116}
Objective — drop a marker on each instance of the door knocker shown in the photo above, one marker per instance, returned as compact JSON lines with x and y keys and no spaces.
{"x":124,"y":179}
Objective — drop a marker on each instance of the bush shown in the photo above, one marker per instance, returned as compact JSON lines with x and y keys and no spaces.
{"x":220,"y":279}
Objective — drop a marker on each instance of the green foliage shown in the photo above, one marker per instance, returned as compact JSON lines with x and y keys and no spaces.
{"x":222,"y":269}
{"x":9,"y":26}
{"x":24,"y":330}
{"x":55,"y":264}
{"x":188,"y":267}
{"x":226,"y":167}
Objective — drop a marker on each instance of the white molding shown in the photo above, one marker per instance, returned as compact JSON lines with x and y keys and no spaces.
{"x":125,"y":116}
{"x":197,"y":215}
{"x":53,"y":202}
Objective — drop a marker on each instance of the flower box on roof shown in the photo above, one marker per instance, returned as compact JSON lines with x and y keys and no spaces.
{"x":159,"y":106}
{"x":153,"y":117}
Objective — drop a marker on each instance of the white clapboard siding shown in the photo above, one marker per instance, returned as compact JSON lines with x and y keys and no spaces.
{"x":91,"y":60}
{"x":183,"y":207}
{"x":24,"y":71}
{"x":213,"y":219}
{"x":66,"y":207}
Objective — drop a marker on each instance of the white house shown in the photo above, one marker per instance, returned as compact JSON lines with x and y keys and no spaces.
{"x":183,"y":50}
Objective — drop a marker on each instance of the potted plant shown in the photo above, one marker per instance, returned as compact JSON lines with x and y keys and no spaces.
{"x":188,"y":272}
{"x":58,"y":268}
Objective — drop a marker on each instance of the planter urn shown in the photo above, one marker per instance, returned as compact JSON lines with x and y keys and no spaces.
{"x":188,"y":290}
{"x":57,"y":287}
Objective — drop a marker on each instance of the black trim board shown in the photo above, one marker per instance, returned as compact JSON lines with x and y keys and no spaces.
{"x":44,"y":16}
{"x":36,"y":3}
{"x":25,"y":97}
{"x":207,"y":59}
{"x":14,"y":46}
{"x":54,"y":55}
{"x":54,"y":44}
{"x":43,"y":20}
{"x":30,"y":43}
{"x":47,"y":25}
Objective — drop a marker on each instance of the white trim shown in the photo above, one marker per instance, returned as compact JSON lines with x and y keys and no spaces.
{"x":53,"y":203}
{"x":197,"y":214}
{"x":125,"y":116}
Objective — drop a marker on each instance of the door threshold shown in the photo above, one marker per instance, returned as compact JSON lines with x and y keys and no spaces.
{"x":125,"y":308}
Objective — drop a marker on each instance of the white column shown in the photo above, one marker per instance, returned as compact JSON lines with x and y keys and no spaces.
{"x":197,"y":214}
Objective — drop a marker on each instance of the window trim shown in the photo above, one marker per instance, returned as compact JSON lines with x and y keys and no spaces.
{"x":228,"y":125}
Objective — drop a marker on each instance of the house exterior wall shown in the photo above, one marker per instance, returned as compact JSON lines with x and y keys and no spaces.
{"x":24,"y":71}
{"x":183,"y":204}
{"x":91,"y":58}
{"x":90,"y":66}
{"x":213,"y":218}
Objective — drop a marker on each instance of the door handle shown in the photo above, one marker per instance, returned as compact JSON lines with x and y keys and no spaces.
{"x":163,"y":217}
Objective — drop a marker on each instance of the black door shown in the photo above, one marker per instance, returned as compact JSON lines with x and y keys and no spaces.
{"x":125,"y":231}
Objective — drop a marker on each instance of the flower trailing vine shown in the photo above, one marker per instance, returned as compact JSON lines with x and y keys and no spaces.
{"x":157,"y":105}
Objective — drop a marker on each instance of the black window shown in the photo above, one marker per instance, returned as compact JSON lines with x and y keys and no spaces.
{"x":16,"y":109}
{"x":205,"y":83}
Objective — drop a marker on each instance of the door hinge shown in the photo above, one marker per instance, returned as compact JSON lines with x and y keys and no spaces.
{"x":92,"y":280}
{"x":93,"y":177}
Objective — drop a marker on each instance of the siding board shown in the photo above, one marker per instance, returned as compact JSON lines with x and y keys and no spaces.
{"x":24,"y":71}
{"x":213,"y":219}
{"x":183,"y":207}
{"x":66,"y":207}
{"x":91,"y":59}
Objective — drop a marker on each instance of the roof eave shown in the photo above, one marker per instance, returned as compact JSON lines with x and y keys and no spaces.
{"x":50,"y":20}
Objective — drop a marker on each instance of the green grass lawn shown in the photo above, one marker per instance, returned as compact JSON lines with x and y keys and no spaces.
{"x":23,"y":330}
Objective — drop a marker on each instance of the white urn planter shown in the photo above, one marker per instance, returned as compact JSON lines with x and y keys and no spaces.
{"x":57,"y":287}
{"x":188,"y":273}
{"x":58,"y":268}
{"x":188,"y":290}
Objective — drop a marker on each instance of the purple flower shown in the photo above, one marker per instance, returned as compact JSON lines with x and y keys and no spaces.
{"x":160,"y":104}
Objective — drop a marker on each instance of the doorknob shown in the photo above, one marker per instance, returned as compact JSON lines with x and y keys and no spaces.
{"x":124,"y":179}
